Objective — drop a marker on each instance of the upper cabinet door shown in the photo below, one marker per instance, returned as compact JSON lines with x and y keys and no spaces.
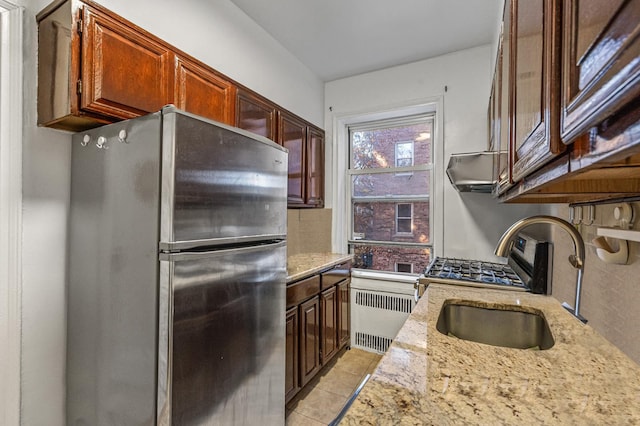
{"x":601,"y":62}
{"x":201,"y":91}
{"x":535,"y":80}
{"x":124,"y":73}
{"x":255,"y":114}
{"x":292,"y":134}
{"x":315,"y":168}
{"x":503,"y":103}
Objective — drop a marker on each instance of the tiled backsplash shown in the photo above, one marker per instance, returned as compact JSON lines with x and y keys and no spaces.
{"x":308,"y":231}
{"x":610,"y":293}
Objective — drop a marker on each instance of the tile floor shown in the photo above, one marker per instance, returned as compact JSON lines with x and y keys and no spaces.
{"x":323,"y":398}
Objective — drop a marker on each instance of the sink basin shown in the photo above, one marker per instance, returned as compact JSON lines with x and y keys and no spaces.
{"x":507,"y":326}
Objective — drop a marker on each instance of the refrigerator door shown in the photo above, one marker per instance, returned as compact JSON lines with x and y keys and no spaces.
{"x":222,"y":341}
{"x":220,"y":185}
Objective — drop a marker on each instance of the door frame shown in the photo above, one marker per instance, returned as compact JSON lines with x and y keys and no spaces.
{"x":11,"y":123}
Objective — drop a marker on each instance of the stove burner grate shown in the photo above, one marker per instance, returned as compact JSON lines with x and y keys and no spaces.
{"x":473,"y":271}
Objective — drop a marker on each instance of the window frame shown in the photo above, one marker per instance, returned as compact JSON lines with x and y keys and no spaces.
{"x":396,"y":121}
{"x":397,"y":157}
{"x":403,"y":263}
{"x":12,"y":79}
{"x":338,"y":181}
{"x":410,"y":218}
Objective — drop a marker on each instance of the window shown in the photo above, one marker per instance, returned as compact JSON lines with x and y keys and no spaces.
{"x":404,"y":218}
{"x":404,"y":154}
{"x":404,"y":267}
{"x":390,"y":173}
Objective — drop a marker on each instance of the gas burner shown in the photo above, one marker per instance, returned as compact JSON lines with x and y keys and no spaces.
{"x":471,"y":271}
{"x":527,"y":269}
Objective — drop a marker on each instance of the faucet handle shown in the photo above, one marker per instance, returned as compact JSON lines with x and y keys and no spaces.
{"x":575,"y":262}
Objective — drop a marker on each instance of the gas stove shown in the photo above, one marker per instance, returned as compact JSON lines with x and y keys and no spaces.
{"x":473,"y":273}
{"x":527,"y":269}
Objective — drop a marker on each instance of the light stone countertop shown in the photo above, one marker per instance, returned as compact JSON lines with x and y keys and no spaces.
{"x":427,"y":377}
{"x":305,"y":264}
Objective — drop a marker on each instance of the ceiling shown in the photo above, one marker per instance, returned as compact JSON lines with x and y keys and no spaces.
{"x":341,"y":38}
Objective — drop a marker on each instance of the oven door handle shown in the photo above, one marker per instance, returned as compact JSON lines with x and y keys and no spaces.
{"x":419,"y":289}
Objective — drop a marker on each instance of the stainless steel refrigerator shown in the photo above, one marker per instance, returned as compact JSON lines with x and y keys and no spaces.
{"x":177,"y":269}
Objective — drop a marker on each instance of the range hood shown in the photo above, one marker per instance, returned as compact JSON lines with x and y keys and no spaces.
{"x":473,"y":171}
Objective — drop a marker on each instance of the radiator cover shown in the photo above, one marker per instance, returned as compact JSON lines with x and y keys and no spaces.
{"x":378,"y":312}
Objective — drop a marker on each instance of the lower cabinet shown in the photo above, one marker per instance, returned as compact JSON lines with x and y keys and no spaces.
{"x":317,"y":324}
{"x":344,"y":312}
{"x":292,"y":381}
{"x":329,"y":330}
{"x":309,"y":339}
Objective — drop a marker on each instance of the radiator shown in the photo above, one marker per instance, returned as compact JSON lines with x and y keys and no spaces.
{"x":380,"y":304}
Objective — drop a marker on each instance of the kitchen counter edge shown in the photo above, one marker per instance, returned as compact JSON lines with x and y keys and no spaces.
{"x":306,"y":264}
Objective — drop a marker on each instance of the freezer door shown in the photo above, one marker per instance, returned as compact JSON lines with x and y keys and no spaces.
{"x":219,"y":183}
{"x":222,"y":338}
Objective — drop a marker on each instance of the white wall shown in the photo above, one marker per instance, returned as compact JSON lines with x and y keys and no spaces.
{"x":45,"y":205}
{"x":473,"y":223}
{"x":215,"y":32}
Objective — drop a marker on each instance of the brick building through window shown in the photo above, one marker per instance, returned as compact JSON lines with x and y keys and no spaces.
{"x":390,"y":171}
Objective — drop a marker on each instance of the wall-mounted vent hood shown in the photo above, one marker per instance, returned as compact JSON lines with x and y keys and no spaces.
{"x":472,"y":172}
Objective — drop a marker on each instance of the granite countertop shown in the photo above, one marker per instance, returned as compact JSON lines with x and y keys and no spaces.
{"x":427,"y":377}
{"x":305,"y":264}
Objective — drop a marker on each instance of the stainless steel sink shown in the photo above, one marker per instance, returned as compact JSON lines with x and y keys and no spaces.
{"x":507,"y":326}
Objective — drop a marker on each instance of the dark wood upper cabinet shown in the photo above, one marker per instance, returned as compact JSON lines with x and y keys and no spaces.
{"x":535,"y":82}
{"x":95,"y":68}
{"x":314,"y":188}
{"x":573,"y":84}
{"x":125,"y":74}
{"x":292,"y":134}
{"x":201,"y":91}
{"x":601,"y":62}
{"x":306,"y":160}
{"x":501,"y":126}
{"x":256,"y":114}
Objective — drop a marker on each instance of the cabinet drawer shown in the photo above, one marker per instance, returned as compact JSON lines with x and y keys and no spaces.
{"x":336,"y":274}
{"x":302,"y":290}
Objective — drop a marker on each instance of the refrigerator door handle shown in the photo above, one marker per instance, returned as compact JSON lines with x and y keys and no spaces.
{"x":174,"y":246}
{"x":194,"y":255}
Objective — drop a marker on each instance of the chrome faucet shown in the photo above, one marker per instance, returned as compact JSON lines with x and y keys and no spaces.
{"x":576,"y":260}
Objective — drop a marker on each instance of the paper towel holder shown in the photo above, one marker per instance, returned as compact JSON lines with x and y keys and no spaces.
{"x":607,"y":254}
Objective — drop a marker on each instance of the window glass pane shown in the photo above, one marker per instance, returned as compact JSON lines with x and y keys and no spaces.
{"x":404,"y":154}
{"x":377,"y":148}
{"x":385,"y":258}
{"x":404,"y":210}
{"x":404,"y":226}
{"x":390,"y":193}
{"x":404,"y":267}
{"x":376,"y":221}
{"x":390,"y":184}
